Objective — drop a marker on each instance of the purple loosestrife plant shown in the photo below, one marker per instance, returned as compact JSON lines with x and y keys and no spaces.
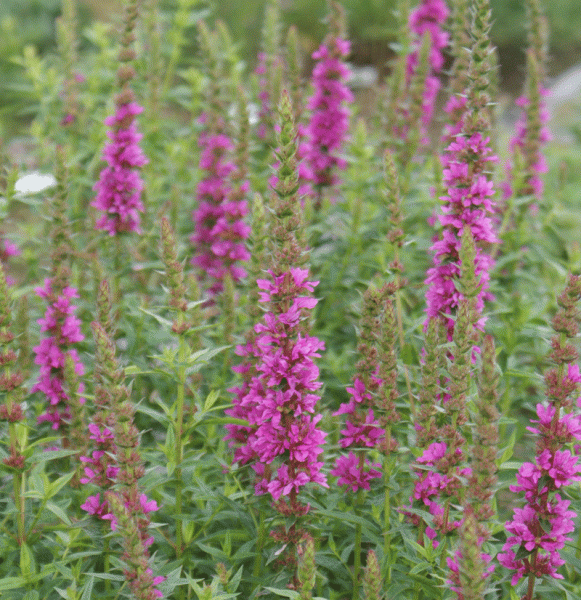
{"x":428,"y":18}
{"x":531,"y":129}
{"x":443,"y":435}
{"x":269,"y":71}
{"x":362,"y":428}
{"x":60,"y":326}
{"x":119,"y":469}
{"x":284,"y":438}
{"x":539,"y":530}
{"x":120,"y":185}
{"x":63,"y":331}
{"x":220,"y":230}
{"x":326,"y":132}
{"x":469,"y":190}
{"x":12,"y":392}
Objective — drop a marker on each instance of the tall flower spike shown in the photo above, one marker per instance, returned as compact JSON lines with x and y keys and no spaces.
{"x":481,"y":484}
{"x":116,"y":467}
{"x":284,"y":437}
{"x":531,"y":130}
{"x":423,"y":66}
{"x":468,"y":201}
{"x":362,"y":428}
{"x":11,"y":379}
{"x":329,"y":105}
{"x":269,"y":71}
{"x":120,"y":185}
{"x":139,"y":575}
{"x":540,"y":529}
{"x":61,"y":325}
{"x":68,"y":42}
{"x":220,"y":230}
{"x":443,"y":424}
{"x":460,"y":40}
{"x":372,"y":578}
{"x":306,"y":570}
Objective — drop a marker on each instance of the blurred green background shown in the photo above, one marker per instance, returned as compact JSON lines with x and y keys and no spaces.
{"x":371,"y":29}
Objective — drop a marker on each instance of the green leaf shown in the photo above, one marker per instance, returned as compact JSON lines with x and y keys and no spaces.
{"x":59,"y":512}
{"x":56,"y":486}
{"x":507,"y":453}
{"x":146,"y":410}
{"x":88,"y":589}
{"x":285,"y":593}
{"x":409,"y":355}
{"x":169,"y":448}
{"x":134,"y":370}
{"x":26,"y":560}
{"x":159,"y":319}
{"x":11,"y":583}
{"x":211,"y":400}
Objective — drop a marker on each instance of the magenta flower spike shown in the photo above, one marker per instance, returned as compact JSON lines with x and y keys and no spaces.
{"x":428,"y":17}
{"x":62,"y":329}
{"x":281,"y":398}
{"x":283,"y":440}
{"x":468,"y":202}
{"x":119,"y":186}
{"x":539,"y":530}
{"x":220,"y":231}
{"x":326,"y":132}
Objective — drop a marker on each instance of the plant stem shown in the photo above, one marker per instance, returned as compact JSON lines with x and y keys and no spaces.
{"x":259,"y":544}
{"x":179,"y":439}
{"x":399,"y":315}
{"x":532,"y":578}
{"x":387,"y":468}
{"x":357,"y":547}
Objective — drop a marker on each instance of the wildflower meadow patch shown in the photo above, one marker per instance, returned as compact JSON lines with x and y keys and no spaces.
{"x":257,"y":344}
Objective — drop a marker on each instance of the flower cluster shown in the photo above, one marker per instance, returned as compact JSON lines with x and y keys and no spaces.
{"x":62,"y":327}
{"x":219,"y":227}
{"x":280,"y":403}
{"x":362,"y":427}
{"x":539,"y":530}
{"x":100,"y":468}
{"x":329,"y":121}
{"x":468,"y":202}
{"x":277,"y":398}
{"x":119,"y":187}
{"x":428,"y":18}
{"x":363,"y":431}
{"x":115,"y":466}
{"x":439,"y":477}
{"x":531,"y":133}
{"x":8,"y":249}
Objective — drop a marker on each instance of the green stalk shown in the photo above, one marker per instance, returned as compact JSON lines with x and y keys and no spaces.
{"x":259,"y":545}
{"x":357,"y":548}
{"x":106,"y":563}
{"x":19,"y":483}
{"x":532,"y":577}
{"x":399,"y":316}
{"x":179,"y":438}
{"x":387,"y":467}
